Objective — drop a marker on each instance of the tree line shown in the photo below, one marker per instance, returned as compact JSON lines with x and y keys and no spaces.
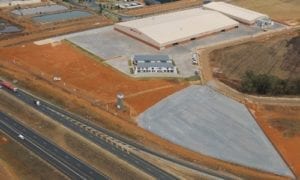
{"x":265,"y":84}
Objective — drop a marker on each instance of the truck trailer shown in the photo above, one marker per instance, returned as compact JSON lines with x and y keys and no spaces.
{"x":8,"y":86}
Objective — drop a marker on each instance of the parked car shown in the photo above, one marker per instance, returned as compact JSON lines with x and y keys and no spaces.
{"x":195,"y":59}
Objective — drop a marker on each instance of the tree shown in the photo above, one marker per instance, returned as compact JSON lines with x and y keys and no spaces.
{"x":268,"y":84}
{"x":247,"y":84}
{"x":279,"y":87}
{"x":297,"y":82}
{"x":263,"y":84}
{"x":101,"y":8}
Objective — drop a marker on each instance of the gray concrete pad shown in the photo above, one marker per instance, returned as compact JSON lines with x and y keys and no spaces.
{"x":120,"y":63}
{"x":6,"y":27}
{"x":108,"y":43}
{"x":61,"y":16}
{"x":40,"y":10}
{"x":207,"y":122}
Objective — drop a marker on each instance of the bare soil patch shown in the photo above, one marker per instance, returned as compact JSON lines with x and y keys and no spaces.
{"x":287,"y":11}
{"x":288,"y":127}
{"x":277,"y":56}
{"x":44,"y":87}
{"x":87,"y":77}
{"x":5,"y":173}
{"x":282,"y":125}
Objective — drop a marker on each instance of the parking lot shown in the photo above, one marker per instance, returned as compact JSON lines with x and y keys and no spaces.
{"x":112,"y":45}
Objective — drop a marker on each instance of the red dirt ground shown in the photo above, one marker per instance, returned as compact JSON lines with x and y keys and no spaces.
{"x":92,"y":80}
{"x":288,"y":146}
{"x":65,"y":58}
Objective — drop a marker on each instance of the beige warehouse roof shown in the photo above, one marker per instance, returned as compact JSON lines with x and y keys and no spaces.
{"x":238,"y":13}
{"x":5,"y":3}
{"x":177,"y":26}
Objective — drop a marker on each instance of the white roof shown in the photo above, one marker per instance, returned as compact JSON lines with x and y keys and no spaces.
{"x":235,"y":11}
{"x":179,"y":25}
{"x":5,"y":3}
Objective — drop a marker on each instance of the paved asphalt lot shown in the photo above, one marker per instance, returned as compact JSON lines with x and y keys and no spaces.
{"x":207,"y":122}
{"x":110,"y":45}
{"x":83,"y":128}
{"x":60,"y":159}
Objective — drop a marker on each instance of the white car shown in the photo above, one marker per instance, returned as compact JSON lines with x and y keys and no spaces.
{"x":195,"y":59}
{"x":21,"y":136}
{"x":37,"y":102}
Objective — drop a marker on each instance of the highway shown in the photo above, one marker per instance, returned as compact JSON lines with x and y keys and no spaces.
{"x":66,"y":163}
{"x":84,"y":128}
{"x":99,"y":135}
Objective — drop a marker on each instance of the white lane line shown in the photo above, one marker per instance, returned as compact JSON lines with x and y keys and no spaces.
{"x":32,"y":143}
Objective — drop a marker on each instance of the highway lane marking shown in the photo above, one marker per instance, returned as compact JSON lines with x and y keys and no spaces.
{"x":31,"y":133}
{"x":28,"y":95}
{"x":40,"y":148}
{"x":76,"y":122}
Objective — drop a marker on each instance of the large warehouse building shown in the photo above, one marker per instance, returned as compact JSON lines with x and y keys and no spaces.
{"x":240,"y":14}
{"x":170,"y":29}
{"x":6,"y":3}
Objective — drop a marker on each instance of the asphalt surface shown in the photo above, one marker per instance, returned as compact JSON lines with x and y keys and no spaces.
{"x":82,"y":127}
{"x":67,"y":164}
{"x":29,"y":99}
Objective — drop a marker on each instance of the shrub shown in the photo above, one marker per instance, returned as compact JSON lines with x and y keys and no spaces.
{"x":268,"y":84}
